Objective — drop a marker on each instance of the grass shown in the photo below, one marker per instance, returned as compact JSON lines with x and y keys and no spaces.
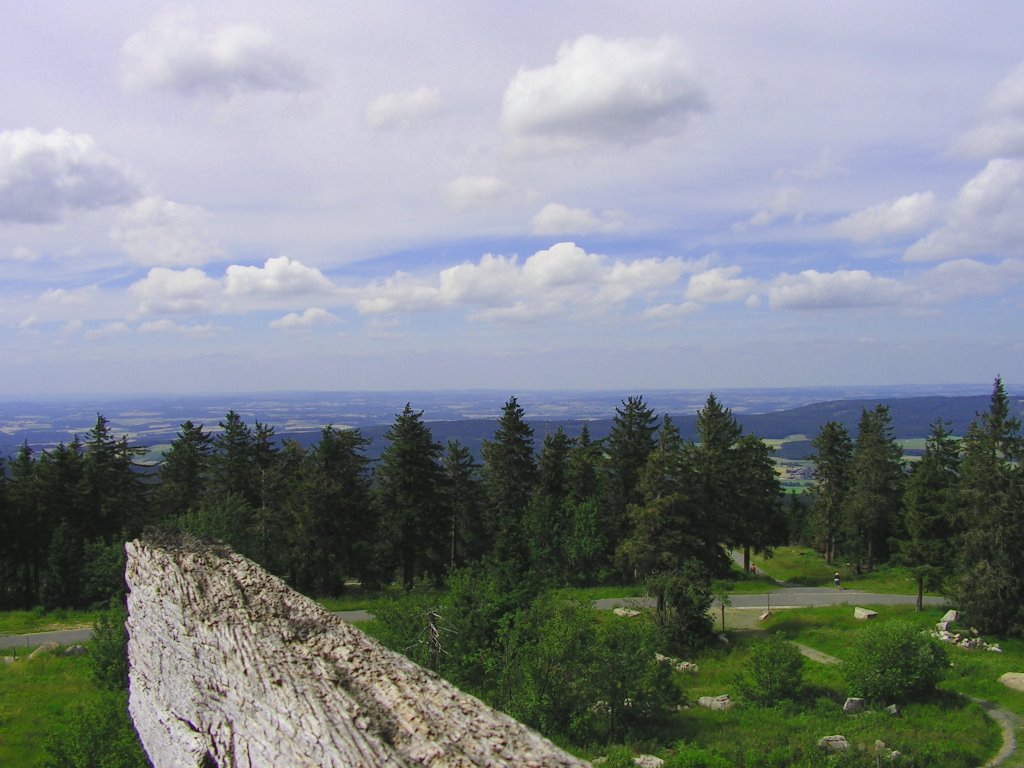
{"x":947,"y":731}
{"x":806,"y":567}
{"x":33,"y":695}
{"x":38,"y":620}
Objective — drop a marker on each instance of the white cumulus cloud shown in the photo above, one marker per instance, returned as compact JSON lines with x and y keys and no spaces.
{"x":612,"y":90}
{"x":559,"y":279}
{"x":468,"y":192}
{"x":173,"y":54}
{"x":721,"y":284}
{"x":312,"y":316}
{"x":558,"y":219}
{"x":169,"y":291}
{"x":907,"y":215}
{"x":833,"y":290}
{"x":44,"y":175}
{"x":987,"y":218}
{"x":395,"y":110}
{"x":160,"y":232}
{"x":279,"y":276}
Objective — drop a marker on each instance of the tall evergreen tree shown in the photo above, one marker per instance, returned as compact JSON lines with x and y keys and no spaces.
{"x":833,"y":459}
{"x":873,"y":507}
{"x":28,"y":534}
{"x":184,"y":471}
{"x":583,"y":472}
{"x":716,"y":466}
{"x":930,"y":510}
{"x":628,"y":445}
{"x":409,"y":493}
{"x":332,"y":525}
{"x":760,"y":520}
{"x":990,"y":583}
{"x":546,"y":524}
{"x":469,"y":535}
{"x":113,"y":493}
{"x":510,"y":473}
{"x":232,"y":465}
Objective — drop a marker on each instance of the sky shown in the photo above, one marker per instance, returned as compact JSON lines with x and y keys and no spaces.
{"x":256,"y":196}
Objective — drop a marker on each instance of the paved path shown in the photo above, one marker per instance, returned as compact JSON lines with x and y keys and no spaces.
{"x":62,"y":636}
{"x":790,"y":597}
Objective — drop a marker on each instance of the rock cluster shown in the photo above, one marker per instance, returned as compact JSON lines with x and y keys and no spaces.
{"x":677,"y":664}
{"x":968,"y":639}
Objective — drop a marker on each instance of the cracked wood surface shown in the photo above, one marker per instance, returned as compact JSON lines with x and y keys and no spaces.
{"x":228,"y":663}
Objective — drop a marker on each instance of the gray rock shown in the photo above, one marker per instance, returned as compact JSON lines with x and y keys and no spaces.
{"x":863,"y":614}
{"x":835,"y":743}
{"x":950,"y":617}
{"x":648,"y":761}
{"x":715,"y":702}
{"x":1014,"y":680}
{"x":893,"y":710}
{"x":854,"y":705}
{"x":44,"y":650}
{"x":75,"y":650}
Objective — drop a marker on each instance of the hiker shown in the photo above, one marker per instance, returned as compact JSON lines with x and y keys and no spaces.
{"x":835,"y":580}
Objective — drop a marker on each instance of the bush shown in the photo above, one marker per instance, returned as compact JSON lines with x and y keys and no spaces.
{"x":774,"y":670}
{"x":108,"y":648}
{"x":894,"y":661}
{"x":96,"y":734}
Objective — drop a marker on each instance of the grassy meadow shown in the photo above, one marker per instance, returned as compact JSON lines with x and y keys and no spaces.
{"x":950,"y":730}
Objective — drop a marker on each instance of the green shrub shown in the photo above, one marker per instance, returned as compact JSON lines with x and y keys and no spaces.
{"x":690,"y":756}
{"x":108,"y":648}
{"x":774,"y":670}
{"x":894,"y":661}
{"x":95,"y":734}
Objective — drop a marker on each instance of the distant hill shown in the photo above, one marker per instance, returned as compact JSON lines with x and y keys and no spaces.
{"x":912,"y":417}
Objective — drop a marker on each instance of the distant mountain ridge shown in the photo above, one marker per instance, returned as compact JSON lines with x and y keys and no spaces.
{"x":912,"y":417}
{"x":158,"y":423}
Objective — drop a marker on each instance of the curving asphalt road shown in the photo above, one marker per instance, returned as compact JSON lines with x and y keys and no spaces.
{"x":784,"y":597}
{"x":789,"y":597}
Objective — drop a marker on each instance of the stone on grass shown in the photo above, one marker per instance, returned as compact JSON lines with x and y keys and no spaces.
{"x":648,"y":761}
{"x":677,"y":664}
{"x":75,"y":650}
{"x":43,"y":650}
{"x":951,"y":616}
{"x":715,"y":702}
{"x":1014,"y":680}
{"x":854,"y":705}
{"x":863,"y":614}
{"x":835,"y":743}
{"x":628,"y":613}
{"x":764,"y":616}
{"x":893,"y":710}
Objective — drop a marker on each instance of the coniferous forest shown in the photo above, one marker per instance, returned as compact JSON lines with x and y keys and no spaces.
{"x":640,"y":505}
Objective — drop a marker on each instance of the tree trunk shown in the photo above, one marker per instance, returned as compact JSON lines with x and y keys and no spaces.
{"x":920,"y":593}
{"x":746,"y":558}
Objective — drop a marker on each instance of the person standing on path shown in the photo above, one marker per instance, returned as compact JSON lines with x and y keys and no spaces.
{"x":835,"y":580}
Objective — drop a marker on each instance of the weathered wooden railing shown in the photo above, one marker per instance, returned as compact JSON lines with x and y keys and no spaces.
{"x":229,"y":667}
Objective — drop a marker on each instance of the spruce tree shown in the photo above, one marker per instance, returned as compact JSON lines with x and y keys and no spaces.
{"x":627,"y":447}
{"x":409,"y":494}
{"x":331,"y":527}
{"x":184,"y":471}
{"x":510,"y":473}
{"x":930,"y":511}
{"x":874,"y":504}
{"x":832,"y":459}
{"x":990,"y":583}
{"x":469,"y":538}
